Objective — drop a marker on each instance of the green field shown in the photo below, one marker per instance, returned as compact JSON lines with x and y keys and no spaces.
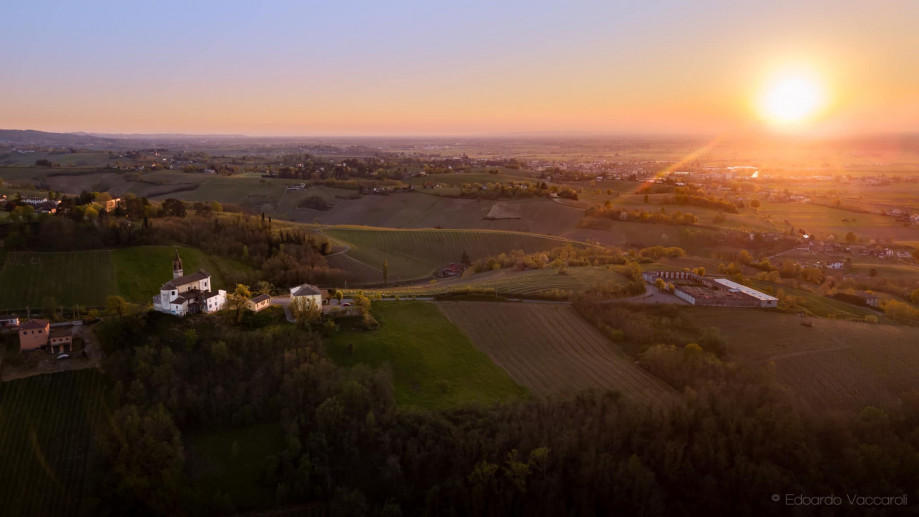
{"x":141,"y":270}
{"x":818,"y":305}
{"x":417,"y":253}
{"x":533,"y":283}
{"x":48,"y":430}
{"x":214,"y":469}
{"x":71,"y":278}
{"x":87,"y":277}
{"x":434,"y":365}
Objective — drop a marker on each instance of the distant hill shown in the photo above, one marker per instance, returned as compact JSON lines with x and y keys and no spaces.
{"x":32,"y":137}
{"x":105,"y":140}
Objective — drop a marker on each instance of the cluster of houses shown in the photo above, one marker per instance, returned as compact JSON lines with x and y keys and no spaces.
{"x":864,"y":250}
{"x":194,"y":293}
{"x":39,"y":334}
{"x":183,"y":295}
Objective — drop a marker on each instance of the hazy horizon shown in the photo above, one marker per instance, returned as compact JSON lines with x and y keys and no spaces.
{"x":365,"y":69}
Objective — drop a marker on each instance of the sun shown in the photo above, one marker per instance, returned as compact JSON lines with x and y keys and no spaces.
{"x":792,"y":98}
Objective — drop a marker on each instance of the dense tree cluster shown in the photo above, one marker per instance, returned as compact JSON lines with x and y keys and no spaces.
{"x":683,"y":197}
{"x":283,"y":257}
{"x":729,"y":440}
{"x":620,"y":214}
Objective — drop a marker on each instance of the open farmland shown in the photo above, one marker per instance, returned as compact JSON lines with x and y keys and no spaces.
{"x":71,"y":278}
{"x":433,"y":364}
{"x":141,"y":270}
{"x":87,"y":277}
{"x":832,"y":364}
{"x":817,"y":305}
{"x":425,"y":210}
{"x":417,"y":253}
{"x":820,"y":219}
{"x":551,"y":350}
{"x":643,"y":235}
{"x":49,"y":427}
{"x":533,"y":283}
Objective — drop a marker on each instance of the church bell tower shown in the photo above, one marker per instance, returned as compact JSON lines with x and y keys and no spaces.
{"x":177,"y":266}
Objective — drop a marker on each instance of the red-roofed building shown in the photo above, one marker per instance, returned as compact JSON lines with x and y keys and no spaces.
{"x":33,"y":334}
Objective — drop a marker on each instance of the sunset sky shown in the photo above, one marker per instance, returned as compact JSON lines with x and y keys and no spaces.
{"x":346,"y":68}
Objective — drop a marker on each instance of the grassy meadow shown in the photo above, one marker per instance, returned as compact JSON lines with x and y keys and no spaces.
{"x":434,"y":365}
{"x":141,"y":270}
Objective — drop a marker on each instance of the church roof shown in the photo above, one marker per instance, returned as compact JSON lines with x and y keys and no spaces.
{"x":187,"y":279}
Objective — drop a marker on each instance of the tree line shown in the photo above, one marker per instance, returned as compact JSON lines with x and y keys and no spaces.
{"x":730,"y":440}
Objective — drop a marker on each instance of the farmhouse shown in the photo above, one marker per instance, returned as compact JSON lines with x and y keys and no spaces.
{"x":258,"y":303}
{"x":188,"y":294}
{"x":37,"y":334}
{"x":9,"y":320}
{"x":712,"y":292}
{"x":310,"y":294}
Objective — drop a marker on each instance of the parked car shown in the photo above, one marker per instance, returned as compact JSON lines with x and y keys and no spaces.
{"x":346,"y":304}
{"x":64,"y":356}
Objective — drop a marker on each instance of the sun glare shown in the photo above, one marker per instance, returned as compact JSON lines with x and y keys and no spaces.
{"x":792,"y":98}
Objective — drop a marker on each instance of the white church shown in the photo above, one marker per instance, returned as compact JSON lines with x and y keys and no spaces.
{"x":188,"y":294}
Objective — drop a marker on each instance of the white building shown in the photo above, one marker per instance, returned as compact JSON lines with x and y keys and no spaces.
{"x":310,"y":293}
{"x":186,"y":294}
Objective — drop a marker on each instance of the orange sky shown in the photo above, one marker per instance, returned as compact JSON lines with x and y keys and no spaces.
{"x":414,"y":68}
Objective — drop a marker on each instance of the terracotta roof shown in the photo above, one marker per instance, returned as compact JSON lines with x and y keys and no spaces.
{"x":260,"y":298}
{"x":61,"y":332}
{"x":305,"y":290}
{"x":34,"y":324}
{"x":187,"y":279}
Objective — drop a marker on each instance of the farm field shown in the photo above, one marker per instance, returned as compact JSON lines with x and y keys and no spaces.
{"x":834,"y":364}
{"x":49,"y":425}
{"x":642,"y":235}
{"x":141,"y":270}
{"x":551,"y":350}
{"x":415,"y":254}
{"x":816,"y":305}
{"x":87,"y":277}
{"x":98,"y":159}
{"x":433,"y":364}
{"x":71,"y":278}
{"x":818,"y":219}
{"x":214,"y":469}
{"x":425,"y":210}
{"x":533,"y":283}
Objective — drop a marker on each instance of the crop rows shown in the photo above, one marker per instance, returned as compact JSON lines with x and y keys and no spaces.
{"x":417,"y":253}
{"x":834,"y":364}
{"x":48,"y":435}
{"x":84,"y":278}
{"x":550,"y":349}
{"x":534,"y":283}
